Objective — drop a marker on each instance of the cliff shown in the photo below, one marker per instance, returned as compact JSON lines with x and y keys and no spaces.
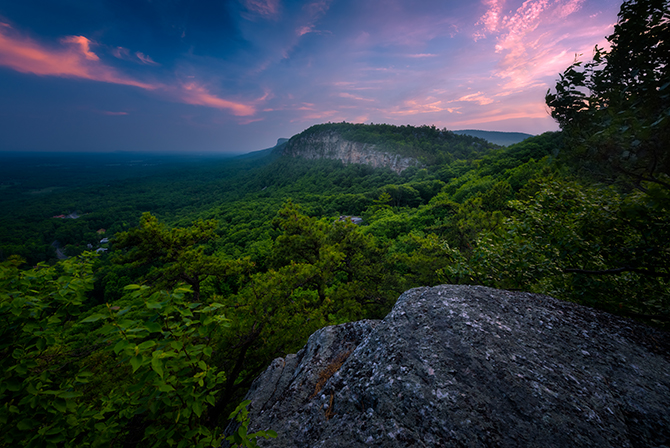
{"x":331,"y":145}
{"x":457,"y":366}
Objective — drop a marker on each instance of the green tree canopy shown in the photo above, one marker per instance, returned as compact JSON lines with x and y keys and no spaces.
{"x":615,"y":109}
{"x":173,"y":255}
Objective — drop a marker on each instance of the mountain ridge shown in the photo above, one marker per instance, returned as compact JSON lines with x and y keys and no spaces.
{"x":502,"y":138}
{"x":381,"y":145}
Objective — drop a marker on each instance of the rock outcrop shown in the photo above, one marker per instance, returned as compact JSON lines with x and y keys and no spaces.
{"x":330,"y":145}
{"x":457,"y":366}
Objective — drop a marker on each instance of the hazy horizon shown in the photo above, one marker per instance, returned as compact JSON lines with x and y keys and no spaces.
{"x":222,"y":154}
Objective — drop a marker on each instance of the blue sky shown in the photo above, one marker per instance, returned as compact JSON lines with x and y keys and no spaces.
{"x":233,"y":76}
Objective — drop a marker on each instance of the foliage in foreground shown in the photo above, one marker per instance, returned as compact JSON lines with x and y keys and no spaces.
{"x":135,"y":349}
{"x":137,"y":371}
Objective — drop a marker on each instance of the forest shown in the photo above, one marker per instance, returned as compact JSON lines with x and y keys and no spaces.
{"x":144,"y":319}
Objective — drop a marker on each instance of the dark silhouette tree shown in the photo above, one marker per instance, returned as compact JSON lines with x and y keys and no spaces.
{"x":615,"y":109}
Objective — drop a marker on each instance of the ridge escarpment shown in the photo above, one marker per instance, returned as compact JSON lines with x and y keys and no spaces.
{"x":331,"y":145}
{"x":385,"y":146}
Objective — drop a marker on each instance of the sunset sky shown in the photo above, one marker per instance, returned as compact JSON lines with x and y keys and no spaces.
{"x":235,"y":75}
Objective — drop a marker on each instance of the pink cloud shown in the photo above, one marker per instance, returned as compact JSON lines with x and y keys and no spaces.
{"x":85,"y":46}
{"x":569,"y":8}
{"x":326,"y":114}
{"x":109,"y":112}
{"x":535,"y":41}
{"x":525,"y":67}
{"x":519,"y":25}
{"x":73,"y":60}
{"x":315,"y":11}
{"x":193,"y":93}
{"x":318,"y":8}
{"x":414,"y":107}
{"x":530,"y":111}
{"x":478,"y":98}
{"x":145,"y":59}
{"x":121,"y":53}
{"x":421,"y":55}
{"x":249,"y":120}
{"x":301,"y":31}
{"x":267,"y":95}
{"x":139,"y":57}
{"x":354,"y":97}
{"x":350,"y":85}
{"x":491,"y":18}
{"x":267,"y":8}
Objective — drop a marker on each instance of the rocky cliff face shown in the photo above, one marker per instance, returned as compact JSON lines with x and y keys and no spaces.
{"x":457,"y":366}
{"x":330,"y":145}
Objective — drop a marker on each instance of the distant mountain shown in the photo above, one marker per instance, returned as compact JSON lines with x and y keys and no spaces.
{"x":498,"y":138}
{"x":263,"y":152}
{"x":328,"y":143}
{"x":384,"y":145}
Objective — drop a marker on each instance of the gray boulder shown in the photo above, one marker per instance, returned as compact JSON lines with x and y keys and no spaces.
{"x":470,"y":366}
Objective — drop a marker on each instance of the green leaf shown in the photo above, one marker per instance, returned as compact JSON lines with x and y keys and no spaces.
{"x":136,"y":362}
{"x":119,"y":346}
{"x":124,"y":311}
{"x":53,"y":430}
{"x":197,"y":408}
{"x":165,"y":388}
{"x":69,"y":394}
{"x":60,"y":405}
{"x":94,"y":318}
{"x":71,"y":420}
{"x":26,"y":424}
{"x":146,"y":344}
{"x":13,"y":385}
{"x":157,"y":366}
{"x":153,"y":327}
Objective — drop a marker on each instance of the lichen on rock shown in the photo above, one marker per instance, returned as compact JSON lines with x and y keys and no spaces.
{"x":458,"y":366}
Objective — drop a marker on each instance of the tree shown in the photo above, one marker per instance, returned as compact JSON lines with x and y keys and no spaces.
{"x":173,"y":255}
{"x":321,"y":273}
{"x":578,"y":242}
{"x":615,"y":109}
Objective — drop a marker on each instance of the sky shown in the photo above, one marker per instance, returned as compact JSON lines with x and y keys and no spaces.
{"x":233,"y":76}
